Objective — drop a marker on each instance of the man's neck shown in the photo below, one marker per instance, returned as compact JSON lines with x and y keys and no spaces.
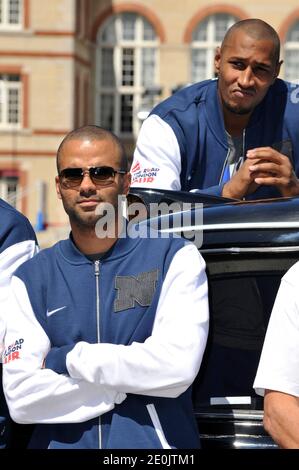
{"x":235,"y":123}
{"x":88,"y":241}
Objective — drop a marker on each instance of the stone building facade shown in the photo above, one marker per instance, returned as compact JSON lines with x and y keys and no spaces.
{"x":65,"y":63}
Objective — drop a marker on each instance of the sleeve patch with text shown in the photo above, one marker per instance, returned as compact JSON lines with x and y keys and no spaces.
{"x":12,"y":352}
{"x":145,"y":175}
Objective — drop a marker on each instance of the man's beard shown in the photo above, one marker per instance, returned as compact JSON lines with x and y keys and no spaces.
{"x":238,"y":109}
{"x":84,"y":220}
{"x":88,"y":221}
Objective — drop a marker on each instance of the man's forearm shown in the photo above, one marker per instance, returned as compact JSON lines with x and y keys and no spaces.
{"x":281,"y":418}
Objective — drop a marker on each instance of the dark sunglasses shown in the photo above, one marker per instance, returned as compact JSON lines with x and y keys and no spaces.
{"x":99,"y":175}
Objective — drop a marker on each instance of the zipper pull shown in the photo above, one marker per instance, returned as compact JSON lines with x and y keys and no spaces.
{"x":97,"y":268}
{"x":243,"y":143}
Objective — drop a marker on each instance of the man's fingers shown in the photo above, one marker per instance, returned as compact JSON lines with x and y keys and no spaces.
{"x":269,"y":181}
{"x":266,"y":153}
{"x":271,"y":169}
{"x":264,"y":167}
{"x":262,"y":174}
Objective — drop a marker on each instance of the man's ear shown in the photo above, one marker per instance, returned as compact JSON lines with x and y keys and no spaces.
{"x":217,"y":58}
{"x":278,"y":66}
{"x":127,"y":183}
{"x":57,"y":187}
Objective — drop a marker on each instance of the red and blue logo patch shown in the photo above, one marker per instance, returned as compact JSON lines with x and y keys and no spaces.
{"x":12,"y":352}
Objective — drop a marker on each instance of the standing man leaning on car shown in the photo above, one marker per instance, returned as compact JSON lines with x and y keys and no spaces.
{"x":235,"y":136}
{"x":111,"y":327}
{"x":17,"y":244}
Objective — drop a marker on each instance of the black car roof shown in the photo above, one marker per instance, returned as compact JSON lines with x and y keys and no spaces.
{"x":230,"y":223}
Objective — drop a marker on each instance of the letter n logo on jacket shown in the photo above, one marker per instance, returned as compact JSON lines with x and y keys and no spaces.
{"x":131,"y":289}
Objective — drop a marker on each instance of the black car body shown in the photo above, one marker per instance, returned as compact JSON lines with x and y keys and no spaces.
{"x":247,"y":246}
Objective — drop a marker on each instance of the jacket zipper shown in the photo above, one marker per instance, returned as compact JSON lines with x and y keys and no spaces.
{"x":243,"y":153}
{"x":224,"y":166}
{"x":97,"y":275}
{"x":157,"y":425}
{"x":243,"y":143}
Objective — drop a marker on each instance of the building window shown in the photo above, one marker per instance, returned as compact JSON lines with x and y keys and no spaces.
{"x":126,"y":67}
{"x":11,"y":14}
{"x":291,"y":54}
{"x":205,"y":38}
{"x":10,"y":101}
{"x":9,"y":187}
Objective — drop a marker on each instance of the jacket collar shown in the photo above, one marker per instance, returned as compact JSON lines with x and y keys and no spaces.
{"x":123,"y":246}
{"x":214,"y":113}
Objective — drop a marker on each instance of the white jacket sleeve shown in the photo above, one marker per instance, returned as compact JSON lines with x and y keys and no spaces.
{"x":167,"y":362}
{"x":37,"y":395}
{"x":157,"y":157}
{"x":10,"y":260}
{"x":279,"y":363}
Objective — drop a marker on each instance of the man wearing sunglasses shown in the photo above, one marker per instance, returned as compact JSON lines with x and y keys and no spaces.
{"x":111,"y":328}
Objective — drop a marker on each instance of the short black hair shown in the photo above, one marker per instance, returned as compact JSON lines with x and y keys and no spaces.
{"x":257,"y":29}
{"x":93,"y":132}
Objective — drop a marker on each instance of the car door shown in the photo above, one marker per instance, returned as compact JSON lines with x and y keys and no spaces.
{"x":242,"y":289}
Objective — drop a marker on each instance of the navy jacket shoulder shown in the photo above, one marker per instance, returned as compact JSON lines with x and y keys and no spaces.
{"x":184,"y":98}
{"x":14,"y":227}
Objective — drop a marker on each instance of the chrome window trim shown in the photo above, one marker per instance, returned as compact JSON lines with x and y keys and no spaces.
{"x":274,"y":225}
{"x":254,"y":415}
{"x":262,"y":249}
